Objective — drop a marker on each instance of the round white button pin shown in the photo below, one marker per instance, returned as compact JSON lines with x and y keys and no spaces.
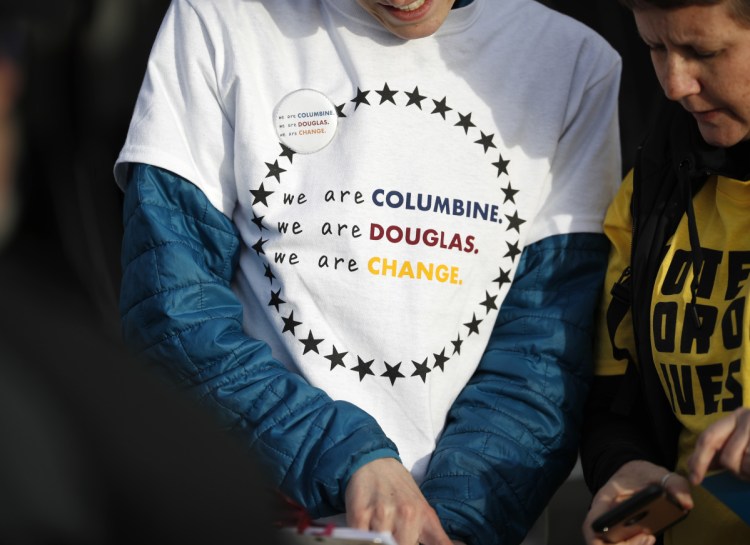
{"x":305,"y":120}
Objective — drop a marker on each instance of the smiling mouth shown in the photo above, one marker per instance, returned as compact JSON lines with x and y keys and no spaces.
{"x":409,"y":12}
{"x":411,"y":7}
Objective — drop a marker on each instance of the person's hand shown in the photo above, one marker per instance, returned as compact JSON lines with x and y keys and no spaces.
{"x":383,"y":496}
{"x":629,"y":479}
{"x":724,"y":444}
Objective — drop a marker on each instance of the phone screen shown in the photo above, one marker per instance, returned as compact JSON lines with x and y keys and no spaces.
{"x":650,"y":511}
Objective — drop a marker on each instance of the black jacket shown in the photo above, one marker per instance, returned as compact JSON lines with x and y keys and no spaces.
{"x":628,"y":417}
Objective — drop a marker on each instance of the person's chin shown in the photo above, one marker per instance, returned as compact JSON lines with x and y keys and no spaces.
{"x":411,"y":25}
{"x":413,"y":32}
{"x":722,"y":133}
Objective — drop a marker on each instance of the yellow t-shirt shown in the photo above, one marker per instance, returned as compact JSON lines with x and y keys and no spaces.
{"x":703,"y":370}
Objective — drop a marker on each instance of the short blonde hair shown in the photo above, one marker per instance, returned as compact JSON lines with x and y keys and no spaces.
{"x":741,"y":8}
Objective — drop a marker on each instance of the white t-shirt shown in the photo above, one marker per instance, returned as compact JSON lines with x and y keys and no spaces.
{"x":383,"y":189}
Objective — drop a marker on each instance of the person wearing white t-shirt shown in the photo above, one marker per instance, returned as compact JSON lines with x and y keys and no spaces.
{"x":367,"y":235}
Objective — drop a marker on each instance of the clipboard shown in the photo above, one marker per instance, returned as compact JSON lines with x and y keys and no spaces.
{"x":334,"y":536}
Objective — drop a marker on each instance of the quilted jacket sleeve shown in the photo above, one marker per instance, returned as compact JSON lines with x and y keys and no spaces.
{"x":177,"y":307}
{"x":511,"y":437}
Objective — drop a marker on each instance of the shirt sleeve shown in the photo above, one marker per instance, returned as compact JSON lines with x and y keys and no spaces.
{"x":181,"y":106}
{"x":585,"y":170}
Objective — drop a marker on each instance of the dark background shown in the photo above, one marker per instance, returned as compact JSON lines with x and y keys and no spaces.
{"x":83,"y":62}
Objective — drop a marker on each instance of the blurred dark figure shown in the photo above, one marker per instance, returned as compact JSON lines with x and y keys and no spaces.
{"x":83,"y":63}
{"x":93,"y":449}
{"x":96,"y":451}
{"x":639,"y":90}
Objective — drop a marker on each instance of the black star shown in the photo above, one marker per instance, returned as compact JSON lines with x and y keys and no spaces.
{"x":258,"y":246}
{"x":486,"y":142}
{"x":457,"y":345}
{"x":465,"y":122}
{"x":363,"y":368}
{"x":386,"y":94}
{"x":290,"y":323}
{"x":440,"y":107}
{"x":258,"y":221}
{"x":260,"y":195}
{"x":489,"y":302}
{"x":504,"y":278}
{"x":286,"y":152}
{"x":276,"y":300}
{"x":421,"y":370}
{"x":502,"y":165}
{"x":440,"y":360}
{"x":336,"y":358}
{"x":361,"y":98}
{"x":510,"y":194}
{"x":513,"y":251}
{"x":311,"y":343}
{"x":415,"y":98}
{"x":269,"y":274}
{"x":340,"y":110}
{"x":514,"y":222}
{"x":473,"y":325}
{"x":392,"y":373}
{"x":274,"y":170}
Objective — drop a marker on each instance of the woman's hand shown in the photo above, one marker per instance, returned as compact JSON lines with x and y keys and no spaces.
{"x":724,"y":444}
{"x":629,"y":479}
{"x":383,"y":496}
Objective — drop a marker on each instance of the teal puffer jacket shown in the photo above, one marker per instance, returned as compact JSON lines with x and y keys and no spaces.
{"x":510,"y":438}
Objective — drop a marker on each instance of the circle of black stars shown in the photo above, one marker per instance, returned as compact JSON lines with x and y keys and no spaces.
{"x":361,"y":364}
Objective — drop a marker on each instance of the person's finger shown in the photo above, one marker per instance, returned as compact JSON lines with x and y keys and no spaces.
{"x":403,"y":522}
{"x":383,"y":519}
{"x":735,"y":448}
{"x":640,"y":539}
{"x":405,"y":535}
{"x":358,"y":514}
{"x":358,"y":519}
{"x":433,"y":534}
{"x":679,"y":487}
{"x":708,"y":444}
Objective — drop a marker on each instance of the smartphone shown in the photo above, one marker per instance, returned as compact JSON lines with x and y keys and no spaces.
{"x":649,"y":511}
